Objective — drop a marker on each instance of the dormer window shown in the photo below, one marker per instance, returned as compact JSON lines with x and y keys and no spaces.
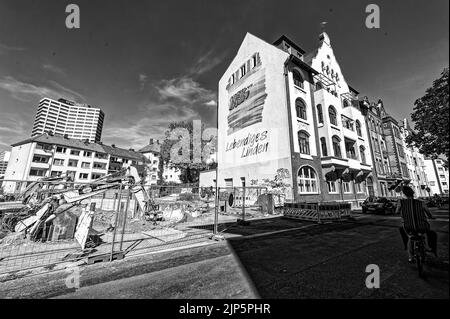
{"x":254,"y":61}
{"x":243,"y":70}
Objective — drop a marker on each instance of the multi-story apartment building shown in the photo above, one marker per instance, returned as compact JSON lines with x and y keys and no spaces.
{"x":64,"y":117}
{"x":395,"y":162}
{"x":381,"y":172}
{"x":152,"y":153}
{"x":4,"y":159}
{"x":438,"y":177}
{"x":344,"y":142}
{"x":395,"y":145}
{"x":49,"y":155}
{"x":281,"y":109}
{"x":415,"y":163}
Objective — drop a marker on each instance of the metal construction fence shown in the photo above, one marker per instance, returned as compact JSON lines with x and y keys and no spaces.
{"x":318,"y":212}
{"x":52,"y":223}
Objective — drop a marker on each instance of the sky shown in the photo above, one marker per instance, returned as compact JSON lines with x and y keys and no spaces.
{"x":149,"y":63}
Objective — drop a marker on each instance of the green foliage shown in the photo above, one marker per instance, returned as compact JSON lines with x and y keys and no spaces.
{"x":190,"y":172}
{"x":278,"y":184}
{"x":431,"y":120}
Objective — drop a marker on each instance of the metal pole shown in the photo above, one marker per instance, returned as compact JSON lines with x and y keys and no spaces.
{"x":125,"y":217}
{"x":216,"y":211}
{"x":115,"y":225}
{"x":243,"y":203}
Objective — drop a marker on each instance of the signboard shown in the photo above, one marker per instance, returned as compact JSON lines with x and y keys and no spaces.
{"x":83,"y":226}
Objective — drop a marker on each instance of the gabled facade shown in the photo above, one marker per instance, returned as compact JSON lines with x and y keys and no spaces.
{"x":344,"y":142}
{"x":280,"y":109}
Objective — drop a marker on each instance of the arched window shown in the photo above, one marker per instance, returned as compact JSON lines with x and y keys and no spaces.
{"x":307,"y":180}
{"x":298,"y":79}
{"x":332,"y":114}
{"x":362,"y":153}
{"x":323,"y":146}
{"x":358,"y":128}
{"x":300,"y":109}
{"x":319,"y":113}
{"x":303,"y":140}
{"x":337,"y":146}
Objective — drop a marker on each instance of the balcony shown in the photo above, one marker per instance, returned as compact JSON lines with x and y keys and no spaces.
{"x":351,"y":155}
{"x":334,"y":161}
{"x":42,"y":151}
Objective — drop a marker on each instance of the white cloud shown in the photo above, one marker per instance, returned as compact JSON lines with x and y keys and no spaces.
{"x":151,"y":122}
{"x":207,"y":62}
{"x":13,"y":128}
{"x":6,"y":48}
{"x":184,"y":89}
{"x":211,"y":103}
{"x":26,"y":92}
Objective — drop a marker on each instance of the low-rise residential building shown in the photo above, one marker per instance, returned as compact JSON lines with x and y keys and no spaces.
{"x":152,"y":153}
{"x":169,"y":173}
{"x":49,"y":155}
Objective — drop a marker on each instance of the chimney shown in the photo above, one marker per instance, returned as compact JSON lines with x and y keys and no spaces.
{"x":151,"y":141}
{"x":113,"y":146}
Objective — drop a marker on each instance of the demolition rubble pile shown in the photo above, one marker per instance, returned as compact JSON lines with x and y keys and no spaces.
{"x":52,"y":208}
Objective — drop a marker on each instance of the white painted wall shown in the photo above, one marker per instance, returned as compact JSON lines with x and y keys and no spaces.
{"x":231,"y":163}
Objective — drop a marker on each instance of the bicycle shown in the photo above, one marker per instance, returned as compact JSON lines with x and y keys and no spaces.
{"x":419,"y":251}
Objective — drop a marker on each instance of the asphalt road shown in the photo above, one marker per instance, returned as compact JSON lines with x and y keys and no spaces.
{"x":329,"y":261}
{"x":276,"y":258}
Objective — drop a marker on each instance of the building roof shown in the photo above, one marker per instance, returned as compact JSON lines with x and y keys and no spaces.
{"x":151,"y":148}
{"x":302,"y":64}
{"x":121,"y":152}
{"x":82,"y":145}
{"x":352,"y":89}
{"x":290,"y":42}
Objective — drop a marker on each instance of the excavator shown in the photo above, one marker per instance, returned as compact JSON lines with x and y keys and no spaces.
{"x":49,"y":197}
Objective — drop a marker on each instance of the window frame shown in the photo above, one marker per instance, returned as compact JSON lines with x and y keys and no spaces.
{"x":305,"y":146}
{"x":313,"y":181}
{"x":333,"y":119}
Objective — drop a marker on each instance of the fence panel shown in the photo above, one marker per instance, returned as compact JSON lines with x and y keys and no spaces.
{"x":51,"y":223}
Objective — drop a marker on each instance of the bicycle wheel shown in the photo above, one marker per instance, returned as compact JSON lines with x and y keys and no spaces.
{"x":420,"y":258}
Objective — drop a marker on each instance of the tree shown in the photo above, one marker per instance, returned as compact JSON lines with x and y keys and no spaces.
{"x":190,"y":171}
{"x":431,"y":120}
{"x":278,"y":185}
